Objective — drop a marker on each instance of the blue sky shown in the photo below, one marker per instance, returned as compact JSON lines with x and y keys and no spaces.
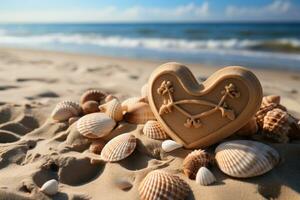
{"x":147,"y":11}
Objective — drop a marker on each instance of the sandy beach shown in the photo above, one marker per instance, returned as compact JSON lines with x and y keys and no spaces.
{"x":34,"y":149}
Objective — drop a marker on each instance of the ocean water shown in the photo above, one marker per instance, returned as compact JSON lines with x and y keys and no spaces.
{"x":268,"y":45}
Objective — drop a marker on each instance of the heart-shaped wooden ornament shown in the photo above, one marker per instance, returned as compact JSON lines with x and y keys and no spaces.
{"x":198,"y":115}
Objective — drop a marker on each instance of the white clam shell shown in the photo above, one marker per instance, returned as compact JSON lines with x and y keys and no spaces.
{"x":95,"y":125}
{"x":113,"y":109}
{"x":170,"y":145}
{"x":118,"y":148}
{"x":245,"y":158}
{"x":65,"y":110}
{"x":50,"y":187}
{"x":153,"y":129}
{"x":205,"y":177}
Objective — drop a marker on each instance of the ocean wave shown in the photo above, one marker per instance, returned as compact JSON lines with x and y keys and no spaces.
{"x":280,"y":45}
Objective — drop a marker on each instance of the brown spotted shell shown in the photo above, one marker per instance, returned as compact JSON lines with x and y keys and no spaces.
{"x":65,"y":110}
{"x":153,"y":129}
{"x":261,"y":113}
{"x":277,"y":125}
{"x":97,"y":146}
{"x":139,"y":113}
{"x":90,"y":107}
{"x":113,"y":109}
{"x":118,"y":148}
{"x":163,"y":186}
{"x":194,"y":160}
{"x":250,"y":128}
{"x":245,"y":158}
{"x":92,"y":95}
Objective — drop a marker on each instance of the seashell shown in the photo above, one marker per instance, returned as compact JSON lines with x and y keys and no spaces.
{"x":170,"y":145}
{"x":250,"y":128}
{"x":144,"y":92}
{"x":205,"y":176}
{"x":113,"y":109}
{"x":261,"y":113}
{"x":270,"y":99}
{"x":64,"y":110}
{"x":277,"y":125}
{"x":90,"y":107}
{"x":163,"y":186}
{"x":97,"y":146}
{"x":193,"y":161}
{"x":245,"y":158}
{"x":109,"y":98}
{"x":95,"y":125}
{"x":73,"y":120}
{"x":139,"y":113}
{"x":153,"y":129}
{"x":50,"y":187}
{"x":128,"y":103}
{"x":92,"y":95}
{"x":118,"y":148}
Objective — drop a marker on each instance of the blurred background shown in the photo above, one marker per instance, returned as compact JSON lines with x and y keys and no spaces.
{"x":257,"y":33}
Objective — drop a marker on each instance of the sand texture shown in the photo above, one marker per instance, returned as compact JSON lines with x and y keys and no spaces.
{"x":34,"y":149}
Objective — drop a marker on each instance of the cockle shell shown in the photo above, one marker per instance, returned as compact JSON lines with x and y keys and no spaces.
{"x":113,"y":109}
{"x":97,"y":146}
{"x":205,"y":176}
{"x":64,"y":110}
{"x":90,"y":107}
{"x":153,"y":129}
{"x":163,"y":186}
{"x":50,"y":187}
{"x":118,"y":148}
{"x":92,"y":95}
{"x":128,"y":103}
{"x":95,"y":125}
{"x":170,"y":145}
{"x":245,"y":158}
{"x":194,"y":160}
{"x":250,"y":128}
{"x":277,"y":125}
{"x":144,"y":92}
{"x":139,"y":113}
{"x":270,"y":99}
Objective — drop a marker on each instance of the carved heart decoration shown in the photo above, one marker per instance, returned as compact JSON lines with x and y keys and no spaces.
{"x":198,"y":115}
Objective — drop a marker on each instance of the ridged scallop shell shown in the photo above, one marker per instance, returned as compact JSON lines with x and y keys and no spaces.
{"x":118,"y":148}
{"x":64,"y":110}
{"x":194,"y":160}
{"x":153,"y":129}
{"x":113,"y":109}
{"x":95,"y":125}
{"x":139,"y":113}
{"x":205,"y":176}
{"x":270,"y":99}
{"x":277,"y":125}
{"x":128,"y":103}
{"x":250,"y":128}
{"x":97,"y":146}
{"x":90,"y":107}
{"x":50,"y":187}
{"x":163,"y":186}
{"x":245,"y":158}
{"x":92,"y":95}
{"x":170,"y":145}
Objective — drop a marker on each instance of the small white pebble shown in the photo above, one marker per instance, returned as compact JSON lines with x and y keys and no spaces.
{"x":170,"y":145}
{"x":50,"y":187}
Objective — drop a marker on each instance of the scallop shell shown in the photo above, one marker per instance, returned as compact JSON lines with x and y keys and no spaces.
{"x":250,"y":128}
{"x":153,"y":129}
{"x":50,"y":187}
{"x":97,"y":146}
{"x":95,"y":125}
{"x":245,"y":158}
{"x":92,"y":95}
{"x":118,"y":148}
{"x":170,"y":145}
{"x":64,"y":110}
{"x":113,"y":109}
{"x":90,"y":107}
{"x":277,"y":125}
{"x":163,"y":186}
{"x":270,"y":99}
{"x":144,"y":92}
{"x":128,"y":103}
{"x":193,"y":161}
{"x":205,"y":176}
{"x":139,"y":113}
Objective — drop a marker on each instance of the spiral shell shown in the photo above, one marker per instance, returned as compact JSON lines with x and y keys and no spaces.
{"x":245,"y":158}
{"x":95,"y":125}
{"x":164,"y":186}
{"x":113,"y":109}
{"x":139,"y":113}
{"x":153,"y":129}
{"x":250,"y":128}
{"x":193,"y":161}
{"x":205,"y":176}
{"x":277,"y":125}
{"x":261,"y":113}
{"x":118,"y":148}
{"x":65,"y":110}
{"x":128,"y":103}
{"x":92,"y":95}
{"x":90,"y":107}
{"x":97,"y":146}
